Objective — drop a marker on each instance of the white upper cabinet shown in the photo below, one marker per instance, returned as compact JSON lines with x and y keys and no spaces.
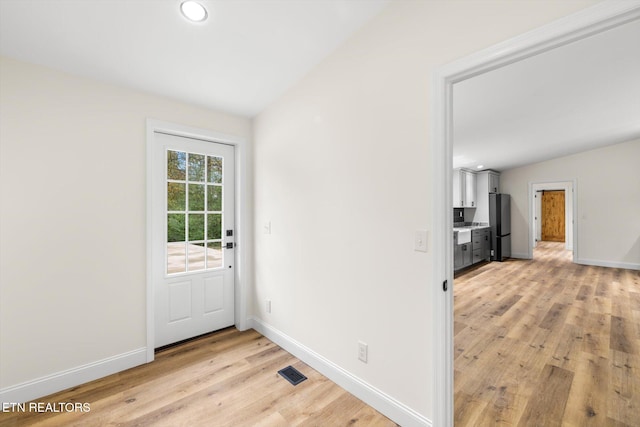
{"x":464,"y":189}
{"x":470,"y":189}
{"x":457,"y":189}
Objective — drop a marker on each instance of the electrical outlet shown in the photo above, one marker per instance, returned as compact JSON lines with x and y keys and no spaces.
{"x":363,"y":351}
{"x":268,"y":306}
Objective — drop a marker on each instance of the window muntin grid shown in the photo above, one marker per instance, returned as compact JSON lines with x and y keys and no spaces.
{"x":194,"y":212}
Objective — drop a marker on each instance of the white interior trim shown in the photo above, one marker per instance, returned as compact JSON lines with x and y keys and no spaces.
{"x":610,"y":264}
{"x":62,"y":380}
{"x":600,"y":17}
{"x":243,"y":269}
{"x":375,"y":398}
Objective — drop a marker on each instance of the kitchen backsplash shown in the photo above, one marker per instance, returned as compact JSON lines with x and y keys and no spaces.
{"x":458,"y":215}
{"x":462,"y":217}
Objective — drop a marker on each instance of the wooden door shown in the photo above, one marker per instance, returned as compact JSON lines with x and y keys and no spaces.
{"x":553,"y":216}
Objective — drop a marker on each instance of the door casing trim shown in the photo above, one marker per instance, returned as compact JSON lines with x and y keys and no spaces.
{"x":592,"y":20}
{"x":242,"y":268}
{"x":569,"y":186}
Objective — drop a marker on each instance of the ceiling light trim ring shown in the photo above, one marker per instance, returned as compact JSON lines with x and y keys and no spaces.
{"x":194,"y":11}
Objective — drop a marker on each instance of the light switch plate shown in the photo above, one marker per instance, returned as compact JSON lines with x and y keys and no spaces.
{"x":421,"y":241}
{"x":266,"y":227}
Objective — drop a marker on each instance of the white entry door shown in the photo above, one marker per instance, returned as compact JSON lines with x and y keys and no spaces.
{"x":192,"y":243}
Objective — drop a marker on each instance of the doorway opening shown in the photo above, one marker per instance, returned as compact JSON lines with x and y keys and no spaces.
{"x":552,"y":215}
{"x":578,"y":26}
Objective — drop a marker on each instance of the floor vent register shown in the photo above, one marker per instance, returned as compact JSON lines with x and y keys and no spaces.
{"x":292,"y":375}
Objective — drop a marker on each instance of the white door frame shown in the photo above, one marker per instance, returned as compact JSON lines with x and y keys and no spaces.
{"x":592,"y":20}
{"x":571,"y":225}
{"x":242,"y":268}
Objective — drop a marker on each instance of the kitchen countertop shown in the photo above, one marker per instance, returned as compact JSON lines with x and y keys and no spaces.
{"x":468,"y":228}
{"x":471,"y":227}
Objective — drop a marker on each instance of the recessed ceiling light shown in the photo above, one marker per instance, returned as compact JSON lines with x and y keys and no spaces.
{"x":193,"y":11}
{"x":480,"y":166}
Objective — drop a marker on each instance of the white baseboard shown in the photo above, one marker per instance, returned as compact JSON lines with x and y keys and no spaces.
{"x":612,"y":264}
{"x":595,"y":262}
{"x":520,"y":255}
{"x":375,"y":398}
{"x":59,"y":381}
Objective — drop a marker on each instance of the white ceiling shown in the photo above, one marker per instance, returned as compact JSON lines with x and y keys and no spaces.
{"x":250,"y":52}
{"x":243,"y":58}
{"x":571,"y":99}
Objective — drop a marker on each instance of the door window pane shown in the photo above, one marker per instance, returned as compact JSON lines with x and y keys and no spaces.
{"x":214,"y":169}
{"x":196,"y":167}
{"x":175,"y":228}
{"x":214,"y":254}
{"x":196,"y":197}
{"x":176,"y":165}
{"x":214,"y":198}
{"x":196,"y":256}
{"x":176,"y":258}
{"x":175,"y":196}
{"x":196,"y":227}
{"x":214,"y":226}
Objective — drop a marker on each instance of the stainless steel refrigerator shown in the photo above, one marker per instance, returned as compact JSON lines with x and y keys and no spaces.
{"x":500,"y":223}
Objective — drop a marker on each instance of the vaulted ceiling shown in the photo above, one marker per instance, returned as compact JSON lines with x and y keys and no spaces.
{"x":567,"y":100}
{"x":570,"y":99}
{"x":240,"y":60}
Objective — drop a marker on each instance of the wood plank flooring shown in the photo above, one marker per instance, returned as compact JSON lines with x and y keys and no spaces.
{"x":546,"y":342}
{"x":228,"y":378}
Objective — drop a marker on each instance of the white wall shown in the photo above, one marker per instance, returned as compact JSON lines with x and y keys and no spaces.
{"x":607,"y":202}
{"x":342,"y":172}
{"x":72,"y":247}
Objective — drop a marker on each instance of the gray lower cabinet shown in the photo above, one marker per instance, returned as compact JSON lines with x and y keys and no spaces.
{"x":462,"y":256}
{"x":481,"y":244}
{"x":479,"y":249}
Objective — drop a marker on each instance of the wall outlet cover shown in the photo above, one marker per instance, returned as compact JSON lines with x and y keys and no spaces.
{"x":363,"y":351}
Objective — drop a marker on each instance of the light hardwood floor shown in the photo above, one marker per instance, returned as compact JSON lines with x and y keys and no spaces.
{"x":546,"y":342}
{"x":228,"y":378}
